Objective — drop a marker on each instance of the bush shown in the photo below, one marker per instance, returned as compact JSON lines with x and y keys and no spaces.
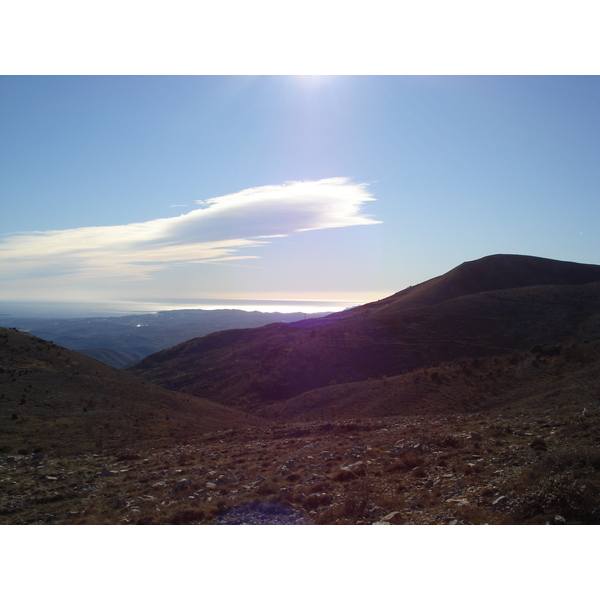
{"x":574,"y":459}
{"x":449,"y":441}
{"x":266,"y":488}
{"x":559,"y":494}
{"x":344,"y":475}
{"x":129,"y":456}
{"x":189,"y":515}
{"x":408,"y":461}
{"x":315,"y":500}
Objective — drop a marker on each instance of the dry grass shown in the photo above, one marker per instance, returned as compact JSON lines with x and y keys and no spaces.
{"x":408,"y":470}
{"x":524,"y":453}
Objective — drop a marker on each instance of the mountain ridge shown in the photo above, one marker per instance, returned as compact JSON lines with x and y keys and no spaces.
{"x":472,"y":310}
{"x":493,"y":418}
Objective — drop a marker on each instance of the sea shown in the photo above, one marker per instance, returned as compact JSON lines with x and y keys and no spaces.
{"x":64,"y":310}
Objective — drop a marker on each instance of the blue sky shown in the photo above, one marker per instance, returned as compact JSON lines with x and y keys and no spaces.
{"x":344,"y":188}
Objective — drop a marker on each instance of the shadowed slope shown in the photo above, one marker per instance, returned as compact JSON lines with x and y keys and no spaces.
{"x":481,"y":308}
{"x":462,"y":386}
{"x":53,"y":398}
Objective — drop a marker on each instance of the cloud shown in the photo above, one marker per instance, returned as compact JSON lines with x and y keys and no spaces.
{"x":222,"y":229}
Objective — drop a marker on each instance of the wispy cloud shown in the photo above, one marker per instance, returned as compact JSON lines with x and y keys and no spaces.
{"x":222,"y":229}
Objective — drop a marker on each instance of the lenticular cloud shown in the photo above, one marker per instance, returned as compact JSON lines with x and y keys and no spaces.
{"x":274,"y":210}
{"x":222,"y":228}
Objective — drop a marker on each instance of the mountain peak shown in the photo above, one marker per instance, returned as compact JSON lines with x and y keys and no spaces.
{"x":491,"y":273}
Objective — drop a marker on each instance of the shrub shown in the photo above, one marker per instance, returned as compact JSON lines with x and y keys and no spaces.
{"x":408,"y":461}
{"x":325,"y":427}
{"x":266,"y":488}
{"x":449,"y":441}
{"x":559,"y":494}
{"x":129,"y":456}
{"x":344,"y":475}
{"x":578,"y":459}
{"x":189,"y":515}
{"x":419,"y":471}
{"x":315,"y":500}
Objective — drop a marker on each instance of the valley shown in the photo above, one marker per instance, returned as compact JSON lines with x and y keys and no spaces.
{"x":123,"y":341}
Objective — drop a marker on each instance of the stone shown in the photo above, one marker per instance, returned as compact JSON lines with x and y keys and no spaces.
{"x":390,"y":516}
{"x":226,"y":479}
{"x":287,"y":467}
{"x":538,"y":444}
{"x":118,"y":503}
{"x":476,"y":437}
{"x":558,"y":520}
{"x":182,"y":485}
{"x":352,"y":467}
{"x":459,"y":485}
{"x":459,"y":501}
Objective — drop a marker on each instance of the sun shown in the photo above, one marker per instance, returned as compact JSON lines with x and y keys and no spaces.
{"x":311,"y":82}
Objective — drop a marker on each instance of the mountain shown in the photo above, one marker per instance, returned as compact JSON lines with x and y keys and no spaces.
{"x":123,"y":341}
{"x":469,"y":399}
{"x":54,"y":398}
{"x":496,"y":272}
{"x":493,"y":306}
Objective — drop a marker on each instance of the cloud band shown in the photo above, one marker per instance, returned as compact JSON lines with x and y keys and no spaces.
{"x":223,"y":228}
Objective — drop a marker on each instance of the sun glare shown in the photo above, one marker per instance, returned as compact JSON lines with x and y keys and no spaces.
{"x":314,"y":81}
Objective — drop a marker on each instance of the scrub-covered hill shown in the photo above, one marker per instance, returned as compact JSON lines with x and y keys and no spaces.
{"x":54,"y":398}
{"x":490,"y":307}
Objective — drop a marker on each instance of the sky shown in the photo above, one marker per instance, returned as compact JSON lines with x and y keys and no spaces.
{"x":339,"y":189}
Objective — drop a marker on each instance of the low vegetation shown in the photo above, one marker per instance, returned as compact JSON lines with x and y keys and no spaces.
{"x":476,"y":468}
{"x":504,"y":430}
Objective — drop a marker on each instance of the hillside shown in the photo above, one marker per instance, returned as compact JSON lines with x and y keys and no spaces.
{"x":496,"y":272}
{"x":54,"y":398}
{"x":464,"y":386}
{"x":490,"y":307}
{"x":521,"y":448}
{"x":469,"y":399}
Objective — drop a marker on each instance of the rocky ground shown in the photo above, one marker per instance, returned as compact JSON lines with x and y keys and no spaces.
{"x":509,"y":466}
